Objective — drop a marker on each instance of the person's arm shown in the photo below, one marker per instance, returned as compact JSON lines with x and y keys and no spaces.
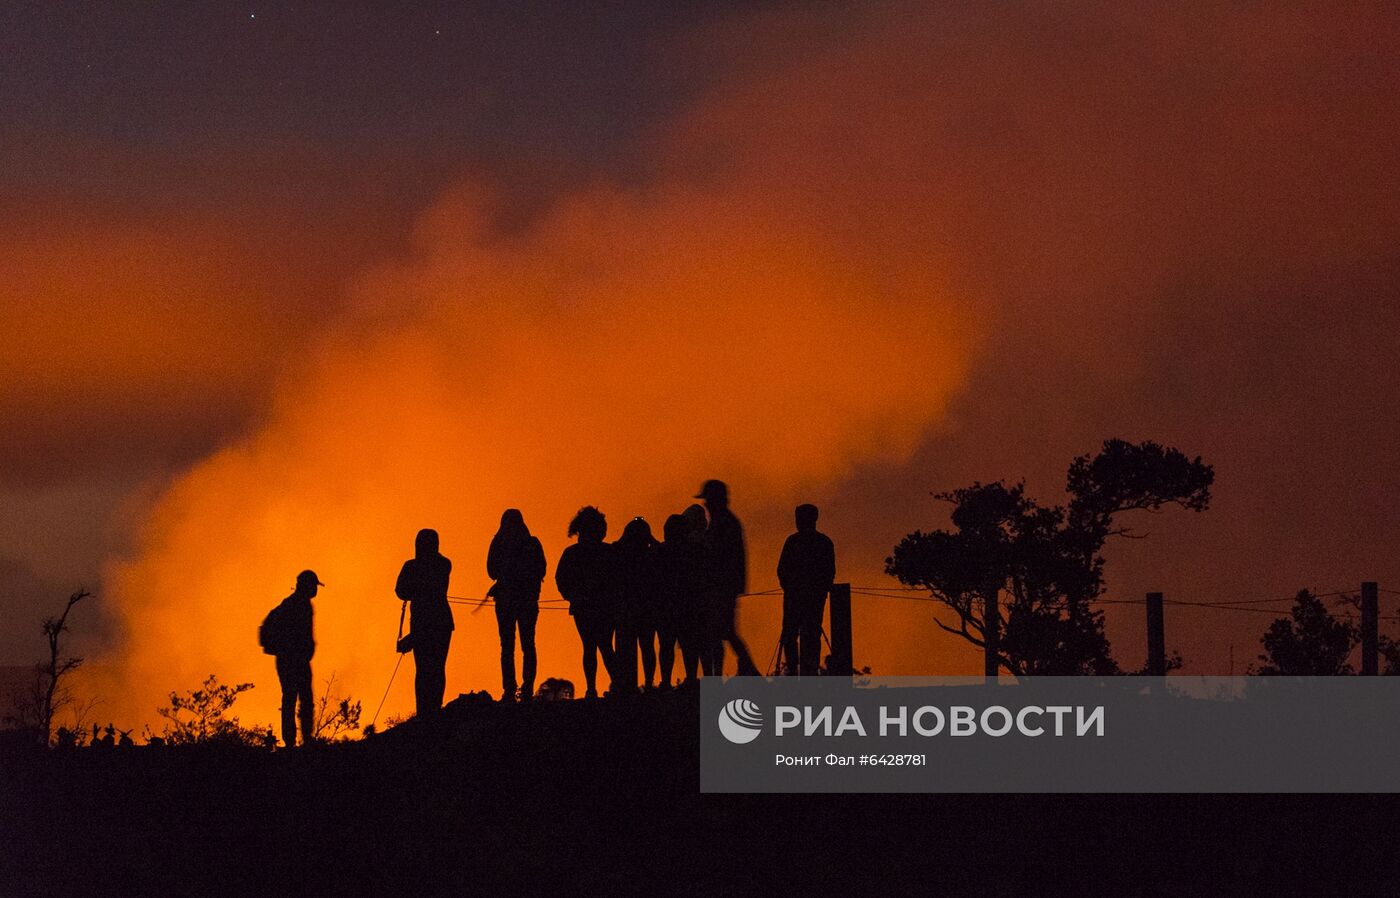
{"x":406,"y":587}
{"x":493,"y":559}
{"x":785,"y":564}
{"x":446,"y":577}
{"x":538,"y":565}
{"x":741,"y":559}
{"x":564,"y":578}
{"x":828,"y":562}
{"x":310,"y":632}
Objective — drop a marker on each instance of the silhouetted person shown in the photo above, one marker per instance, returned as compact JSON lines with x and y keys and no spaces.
{"x":697,"y":521}
{"x":682,"y":619}
{"x":728,"y":567}
{"x":635,"y":559}
{"x":287,"y":635}
{"x":586,"y":578}
{"x":423,"y":584}
{"x":806,"y":570}
{"x":516,"y":562}
{"x":707,"y":609}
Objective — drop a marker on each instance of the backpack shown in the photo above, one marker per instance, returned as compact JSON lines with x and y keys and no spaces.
{"x":272,"y":633}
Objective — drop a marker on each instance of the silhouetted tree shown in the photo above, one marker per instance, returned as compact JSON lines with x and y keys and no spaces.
{"x":1310,"y":642}
{"x":199,"y":717}
{"x":47,"y":695}
{"x":1045,"y":564}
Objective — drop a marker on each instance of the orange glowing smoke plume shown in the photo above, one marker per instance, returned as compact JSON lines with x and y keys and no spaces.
{"x":619,"y":352}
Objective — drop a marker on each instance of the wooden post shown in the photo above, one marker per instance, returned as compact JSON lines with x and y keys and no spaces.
{"x":1156,"y":637}
{"x":841,"y":657}
{"x":991,"y":635}
{"x":1370,"y":627}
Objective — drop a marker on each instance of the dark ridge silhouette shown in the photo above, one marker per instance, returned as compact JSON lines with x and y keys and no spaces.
{"x":727,"y":559}
{"x":806,"y":570}
{"x":287,"y":634}
{"x":516,"y":562}
{"x":586,"y":577}
{"x":539,"y":800}
{"x":423,"y":583}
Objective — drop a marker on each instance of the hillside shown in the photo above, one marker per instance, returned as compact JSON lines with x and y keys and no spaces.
{"x":598,"y":798}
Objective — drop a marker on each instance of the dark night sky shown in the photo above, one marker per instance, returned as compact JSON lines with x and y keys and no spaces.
{"x":491,"y":77}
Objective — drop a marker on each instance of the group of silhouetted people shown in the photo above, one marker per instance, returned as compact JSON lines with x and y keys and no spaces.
{"x":634,"y":597}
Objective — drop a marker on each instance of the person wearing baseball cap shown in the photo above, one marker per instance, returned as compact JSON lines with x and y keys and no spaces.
{"x":716,"y":489}
{"x":727,"y":560}
{"x":286,"y":634}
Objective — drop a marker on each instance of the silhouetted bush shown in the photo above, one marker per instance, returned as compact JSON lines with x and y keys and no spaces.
{"x":336,"y":716}
{"x":199,"y":717}
{"x":1310,"y":642}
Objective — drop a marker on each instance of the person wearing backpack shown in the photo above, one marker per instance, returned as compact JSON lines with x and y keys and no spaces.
{"x":286,"y":634}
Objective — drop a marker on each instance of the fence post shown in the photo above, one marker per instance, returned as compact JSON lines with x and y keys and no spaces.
{"x":991,"y":635}
{"x":1156,"y":637}
{"x":1370,"y":629}
{"x":841,"y":653}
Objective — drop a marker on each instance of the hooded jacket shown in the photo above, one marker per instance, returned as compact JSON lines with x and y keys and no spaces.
{"x":423,"y":584}
{"x":516,"y":562}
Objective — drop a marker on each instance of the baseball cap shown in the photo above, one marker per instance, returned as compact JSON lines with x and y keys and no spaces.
{"x":713,"y":489}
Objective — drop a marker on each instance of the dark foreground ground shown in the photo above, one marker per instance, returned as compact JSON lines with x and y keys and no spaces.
{"x":604,"y":799}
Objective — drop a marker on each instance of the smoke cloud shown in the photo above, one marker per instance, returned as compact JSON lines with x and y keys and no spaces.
{"x":622,"y":349}
{"x":911,"y":248}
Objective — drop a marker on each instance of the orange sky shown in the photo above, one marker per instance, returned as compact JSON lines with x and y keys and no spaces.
{"x":880,"y":254}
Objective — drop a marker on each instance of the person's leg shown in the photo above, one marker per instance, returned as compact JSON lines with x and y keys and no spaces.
{"x":440,"y":671}
{"x":603,"y":630}
{"x":666,"y":654}
{"x":646,"y":641}
{"x":693,"y":656}
{"x":812,"y":634}
{"x":624,"y":669}
{"x":505,"y":630}
{"x":590,"y":655}
{"x":306,"y":703}
{"x":711,"y":654}
{"x":711,"y":643}
{"x":286,"y":680}
{"x":528,"y":616}
{"x":731,"y":635}
{"x":790,"y":631}
{"x":430,"y":676}
{"x":421,"y":676}
{"x":701,"y":656}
